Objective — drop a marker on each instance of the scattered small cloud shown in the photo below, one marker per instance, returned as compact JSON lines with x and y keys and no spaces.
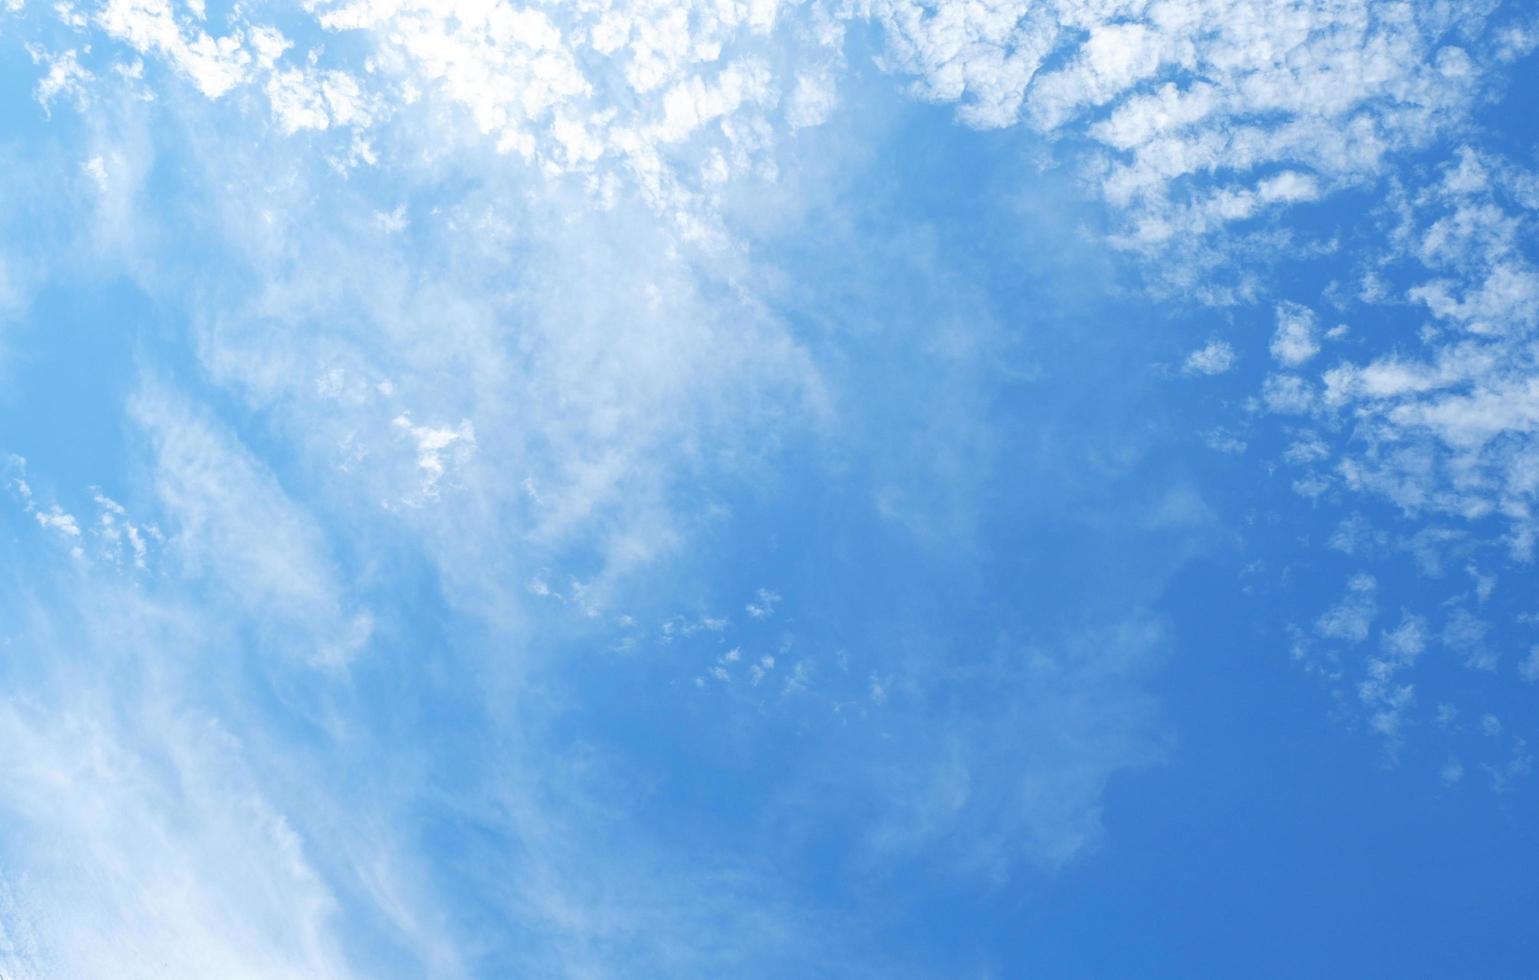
{"x":1217,"y":357}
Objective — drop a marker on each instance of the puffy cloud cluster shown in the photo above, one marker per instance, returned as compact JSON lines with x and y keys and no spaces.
{"x":1207,"y":112}
{"x":568,"y":84}
{"x":1425,"y":400}
{"x":1442,"y":418}
{"x":215,"y":64}
{"x":668,"y":98}
{"x":1195,"y":113}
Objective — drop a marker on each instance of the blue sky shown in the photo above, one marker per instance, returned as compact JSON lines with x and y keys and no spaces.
{"x":768,"y":489}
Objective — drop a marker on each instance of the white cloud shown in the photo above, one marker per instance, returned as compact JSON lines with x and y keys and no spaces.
{"x":148,"y":852}
{"x":993,"y":772}
{"x":233,"y":525}
{"x":1349,"y":620}
{"x":1222,"y":441}
{"x":1451,"y":772}
{"x":668,"y":97}
{"x":160,"y":823}
{"x":304,"y":98}
{"x":1216,"y":357}
{"x":96,"y":169}
{"x":1387,"y":698}
{"x":1450,"y":427}
{"x":1288,"y":394}
{"x":437,"y":447}
{"x":1175,"y":92}
{"x":1295,"y":341}
{"x":763,"y":605}
{"x":812,"y":100}
{"x":1112,"y":59}
{"x":1465,"y":634}
{"x":58,"y":520}
{"x":214,"y":65}
{"x":611,"y":93}
{"x":1529,"y":668}
{"x":65,"y":77}
{"x":122,"y":539}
